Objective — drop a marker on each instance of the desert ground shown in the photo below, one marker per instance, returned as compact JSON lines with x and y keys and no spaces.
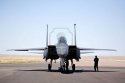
{"x":107,"y":61}
{"x":33,"y":69}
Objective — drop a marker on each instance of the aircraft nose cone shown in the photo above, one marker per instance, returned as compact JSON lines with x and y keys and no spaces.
{"x":62,"y":50}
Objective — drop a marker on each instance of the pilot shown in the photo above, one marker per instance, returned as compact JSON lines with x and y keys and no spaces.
{"x":96,"y":60}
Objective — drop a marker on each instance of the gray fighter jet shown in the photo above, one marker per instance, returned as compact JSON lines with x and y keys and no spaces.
{"x":62,"y":51}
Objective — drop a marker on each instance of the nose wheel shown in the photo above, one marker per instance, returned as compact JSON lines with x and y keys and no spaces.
{"x":62,"y":69}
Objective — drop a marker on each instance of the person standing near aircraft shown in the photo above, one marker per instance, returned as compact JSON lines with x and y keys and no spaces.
{"x":96,"y":60}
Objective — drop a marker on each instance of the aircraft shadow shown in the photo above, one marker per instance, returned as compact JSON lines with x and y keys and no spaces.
{"x":54,"y":70}
{"x":66,"y":72}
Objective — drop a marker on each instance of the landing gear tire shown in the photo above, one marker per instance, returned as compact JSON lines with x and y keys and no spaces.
{"x":49,"y":67}
{"x":67,"y":65}
{"x":62,"y":69}
{"x":73,"y":67}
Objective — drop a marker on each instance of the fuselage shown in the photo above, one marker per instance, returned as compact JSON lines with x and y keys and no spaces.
{"x":62,"y":50}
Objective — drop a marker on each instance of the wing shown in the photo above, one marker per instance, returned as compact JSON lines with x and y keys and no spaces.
{"x":29,"y":49}
{"x":94,"y":49}
{"x":86,"y":52}
{"x":37,"y":52}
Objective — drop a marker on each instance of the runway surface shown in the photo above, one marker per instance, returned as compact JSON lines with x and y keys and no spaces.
{"x":37,"y":73}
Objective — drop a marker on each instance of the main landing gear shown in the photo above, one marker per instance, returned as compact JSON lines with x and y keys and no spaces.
{"x":73,"y":65}
{"x":50,"y":65}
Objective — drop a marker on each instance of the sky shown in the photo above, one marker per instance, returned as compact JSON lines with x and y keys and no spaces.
{"x":99,"y":23}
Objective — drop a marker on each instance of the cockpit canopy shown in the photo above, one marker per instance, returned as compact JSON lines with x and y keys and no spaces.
{"x":62,"y":39}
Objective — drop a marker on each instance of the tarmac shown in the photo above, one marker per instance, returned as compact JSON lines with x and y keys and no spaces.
{"x":38,"y":73}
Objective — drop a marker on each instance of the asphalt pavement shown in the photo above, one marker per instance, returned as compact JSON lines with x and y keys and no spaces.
{"x":38,"y":73}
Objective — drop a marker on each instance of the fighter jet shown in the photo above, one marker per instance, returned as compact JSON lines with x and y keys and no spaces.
{"x":62,"y":51}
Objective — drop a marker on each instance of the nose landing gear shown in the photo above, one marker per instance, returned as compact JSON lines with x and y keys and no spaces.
{"x":63,"y":68}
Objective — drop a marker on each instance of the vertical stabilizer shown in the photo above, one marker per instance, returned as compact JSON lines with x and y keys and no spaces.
{"x":47,"y":37}
{"x":75,"y":34}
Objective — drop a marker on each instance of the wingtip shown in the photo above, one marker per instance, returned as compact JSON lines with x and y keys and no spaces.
{"x":114,"y":50}
{"x":9,"y":50}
